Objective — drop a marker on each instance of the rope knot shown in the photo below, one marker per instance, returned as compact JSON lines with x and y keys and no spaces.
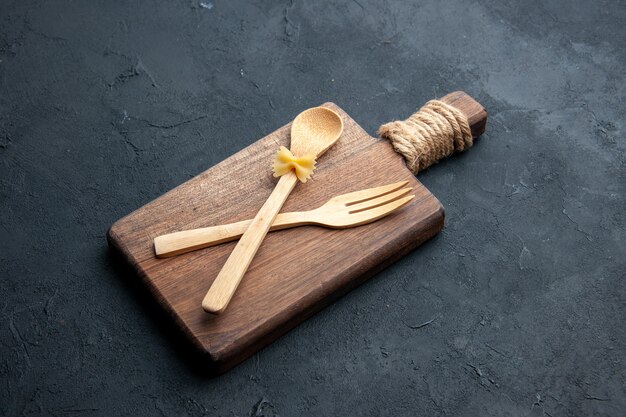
{"x":432,"y":133}
{"x":285,"y":161}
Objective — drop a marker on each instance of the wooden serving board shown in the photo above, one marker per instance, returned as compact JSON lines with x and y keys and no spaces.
{"x":282,"y":287}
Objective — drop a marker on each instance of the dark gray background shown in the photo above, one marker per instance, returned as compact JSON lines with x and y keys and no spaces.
{"x":106,"y":105}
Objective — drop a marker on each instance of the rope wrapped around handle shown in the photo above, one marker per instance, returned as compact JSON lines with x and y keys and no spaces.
{"x":435,"y":131}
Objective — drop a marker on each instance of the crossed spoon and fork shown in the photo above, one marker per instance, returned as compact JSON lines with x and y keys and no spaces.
{"x":312,"y":133}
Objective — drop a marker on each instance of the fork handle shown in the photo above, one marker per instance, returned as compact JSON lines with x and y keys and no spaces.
{"x":177,"y":243}
{"x":228,"y":279}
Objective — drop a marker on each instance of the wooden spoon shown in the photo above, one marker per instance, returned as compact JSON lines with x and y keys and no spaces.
{"x":312,"y":132}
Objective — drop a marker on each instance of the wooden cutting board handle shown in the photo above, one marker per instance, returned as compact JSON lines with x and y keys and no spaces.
{"x":437,"y":130}
{"x":473,"y":110}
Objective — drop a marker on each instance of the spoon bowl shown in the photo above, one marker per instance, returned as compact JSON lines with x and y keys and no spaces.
{"x":314,"y":131}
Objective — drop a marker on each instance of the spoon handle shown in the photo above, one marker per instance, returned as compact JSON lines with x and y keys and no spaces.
{"x":228,"y":279}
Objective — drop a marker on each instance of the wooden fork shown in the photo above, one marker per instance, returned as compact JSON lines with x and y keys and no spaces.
{"x":340,"y":212}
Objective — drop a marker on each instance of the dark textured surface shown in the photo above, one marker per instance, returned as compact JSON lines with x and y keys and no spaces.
{"x":516,"y":308}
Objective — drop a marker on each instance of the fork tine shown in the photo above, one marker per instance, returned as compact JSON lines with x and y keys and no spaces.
{"x":368,"y":216}
{"x":378,"y":201}
{"x":362,"y":195}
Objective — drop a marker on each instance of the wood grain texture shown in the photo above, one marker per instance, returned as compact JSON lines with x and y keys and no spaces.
{"x":281,"y":288}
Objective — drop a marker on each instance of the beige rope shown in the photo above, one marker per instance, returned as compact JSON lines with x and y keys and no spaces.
{"x":432,"y":133}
